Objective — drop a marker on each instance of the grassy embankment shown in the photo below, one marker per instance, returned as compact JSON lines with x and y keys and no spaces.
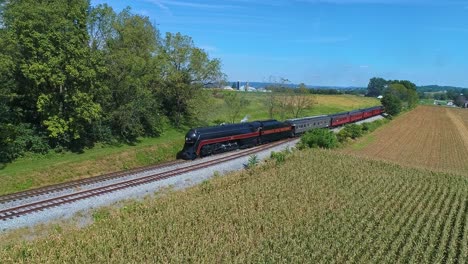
{"x":35,"y":171}
{"x":319,"y":206}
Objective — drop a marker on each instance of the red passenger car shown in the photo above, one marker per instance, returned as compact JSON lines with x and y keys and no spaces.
{"x":340,"y":119}
{"x":355,"y":116}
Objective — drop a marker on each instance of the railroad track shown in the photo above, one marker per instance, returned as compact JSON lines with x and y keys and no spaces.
{"x":41,"y":205}
{"x":81,"y":182}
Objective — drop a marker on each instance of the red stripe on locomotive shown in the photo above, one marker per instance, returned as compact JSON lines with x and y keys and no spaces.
{"x":217,"y":140}
{"x":277,"y":130}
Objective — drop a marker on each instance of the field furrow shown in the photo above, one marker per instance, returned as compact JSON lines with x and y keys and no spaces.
{"x":361,"y":213}
{"x":399,"y":221}
{"x":448,"y":231}
{"x":455,"y":246}
{"x":462,"y":253}
{"x":384,"y":209}
{"x":422,"y":242}
{"x":413,"y":234}
{"x":437,"y":232}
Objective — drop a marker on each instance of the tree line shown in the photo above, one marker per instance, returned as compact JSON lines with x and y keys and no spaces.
{"x":72,"y":74}
{"x":397,"y":94}
{"x":458,"y":95}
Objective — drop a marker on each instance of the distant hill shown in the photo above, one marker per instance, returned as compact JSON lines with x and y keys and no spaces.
{"x":437,"y":88}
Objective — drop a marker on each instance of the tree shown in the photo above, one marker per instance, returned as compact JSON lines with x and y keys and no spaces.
{"x":391,"y":103}
{"x":100,"y":26}
{"x":278,"y":102}
{"x":408,"y":96}
{"x":235,"y":103}
{"x":376,"y":86}
{"x":72,"y":75}
{"x":271,"y":100}
{"x":52,"y":67}
{"x":291,"y":102}
{"x":270,"y":103}
{"x":407,"y":84}
{"x":284,"y":104}
{"x":133,"y":74}
{"x":300,"y":101}
{"x":185,"y":69}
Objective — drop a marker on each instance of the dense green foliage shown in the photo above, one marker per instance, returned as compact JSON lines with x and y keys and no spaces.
{"x":397,"y":94}
{"x":376,"y":86}
{"x":72,"y":75}
{"x":354,"y":131}
{"x":318,"y":138}
{"x":324,"y":138}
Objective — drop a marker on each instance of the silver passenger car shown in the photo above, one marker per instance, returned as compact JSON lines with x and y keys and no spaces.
{"x":304,"y":124}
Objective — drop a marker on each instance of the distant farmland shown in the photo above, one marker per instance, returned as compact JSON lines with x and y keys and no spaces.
{"x":428,"y":137}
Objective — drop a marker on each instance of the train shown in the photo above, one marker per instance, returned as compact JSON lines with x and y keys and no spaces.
{"x":206,"y":141}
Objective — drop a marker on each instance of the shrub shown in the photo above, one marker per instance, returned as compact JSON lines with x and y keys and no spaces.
{"x":369,"y":127}
{"x":318,"y":138}
{"x":350,"y":131}
{"x":392,"y":104}
{"x":280,"y":157}
{"x":253,"y":161}
{"x":17,"y":140}
{"x":355,"y":130}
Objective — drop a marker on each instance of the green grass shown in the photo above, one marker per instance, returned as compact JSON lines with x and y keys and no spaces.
{"x":40,"y":170}
{"x":365,"y":141}
{"x":35,"y":171}
{"x":319,"y":206}
{"x":327,"y":104}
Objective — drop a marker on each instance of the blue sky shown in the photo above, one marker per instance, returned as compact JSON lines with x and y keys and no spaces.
{"x":323,"y":42}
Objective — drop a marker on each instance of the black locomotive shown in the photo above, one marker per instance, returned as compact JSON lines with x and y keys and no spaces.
{"x":204,"y":141}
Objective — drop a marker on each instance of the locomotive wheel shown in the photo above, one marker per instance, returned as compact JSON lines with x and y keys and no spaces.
{"x":206,"y":150}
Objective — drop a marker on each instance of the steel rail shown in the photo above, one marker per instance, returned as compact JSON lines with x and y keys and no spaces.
{"x":81,"y":182}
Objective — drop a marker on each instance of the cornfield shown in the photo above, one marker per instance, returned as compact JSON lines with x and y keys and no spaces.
{"x":319,"y":206}
{"x":428,"y":137}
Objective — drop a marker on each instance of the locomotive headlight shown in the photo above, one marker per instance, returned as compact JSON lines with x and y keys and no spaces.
{"x":190,"y":138}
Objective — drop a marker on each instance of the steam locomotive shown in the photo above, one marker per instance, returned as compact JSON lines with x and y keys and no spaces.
{"x":205,"y":141}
